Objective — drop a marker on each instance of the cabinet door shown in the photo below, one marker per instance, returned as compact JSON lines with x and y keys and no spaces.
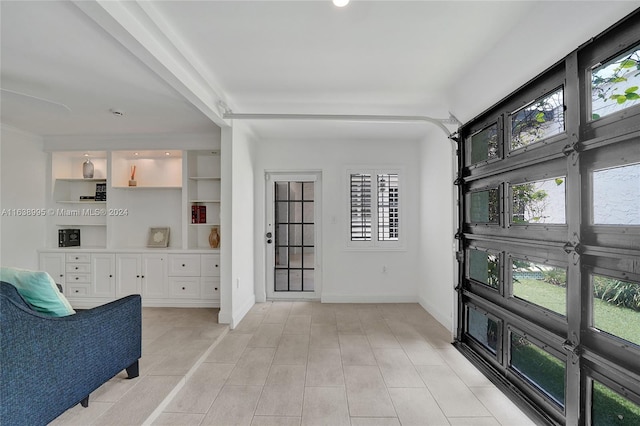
{"x":103,"y":268}
{"x":210,"y":265}
{"x":128,"y":267}
{"x":53,"y":264}
{"x":210,"y":288}
{"x":154,"y":276}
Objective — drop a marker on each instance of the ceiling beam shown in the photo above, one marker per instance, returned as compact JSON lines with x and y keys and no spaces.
{"x":142,"y":31}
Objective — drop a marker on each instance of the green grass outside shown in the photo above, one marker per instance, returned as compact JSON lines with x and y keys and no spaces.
{"x":609,"y":408}
{"x":616,"y":320}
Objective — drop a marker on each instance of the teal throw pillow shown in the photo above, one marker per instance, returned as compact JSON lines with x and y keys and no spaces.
{"x":39,"y":289}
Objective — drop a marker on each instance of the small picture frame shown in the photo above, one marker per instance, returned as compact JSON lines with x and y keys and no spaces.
{"x":158,"y":237}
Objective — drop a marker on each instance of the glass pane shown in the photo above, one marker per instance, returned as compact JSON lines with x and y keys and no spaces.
{"x":281,"y":283}
{"x":538,"y":121}
{"x":282,"y":189}
{"x":308,"y":235}
{"x":615,"y":196}
{"x":542,"y":285}
{"x":295,"y":280}
{"x":543,"y":370}
{"x":281,"y":256}
{"x":484,"y":144}
{"x":388,"y":224}
{"x":282,"y":213}
{"x":295,"y":258}
{"x":295,"y":238}
{"x":614,"y":84}
{"x":295,"y":212}
{"x":483,"y":329}
{"x":308,"y":191}
{"x":484,"y":206}
{"x":308,"y":212}
{"x":360,"y":207}
{"x":539,"y":202}
{"x":616,"y":307}
{"x":484,"y":267}
{"x":611,"y":408}
{"x":308,"y":277}
{"x":282,"y":235}
{"x":309,"y":258}
{"x":295,"y":190}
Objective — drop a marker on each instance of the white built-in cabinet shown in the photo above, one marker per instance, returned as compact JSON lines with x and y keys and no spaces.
{"x":113,"y":259}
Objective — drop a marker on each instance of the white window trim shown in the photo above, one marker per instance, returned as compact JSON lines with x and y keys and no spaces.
{"x":374,"y":244}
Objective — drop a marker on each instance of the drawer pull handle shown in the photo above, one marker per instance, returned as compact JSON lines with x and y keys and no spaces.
{"x":110,"y":276}
{"x":77,"y":278}
{"x":216,"y":288}
{"x":183,"y":288}
{"x":77,"y":291}
{"x":143,"y":276}
{"x":137,"y":276}
{"x":216,"y":266}
{"x":77,"y":257}
{"x":76,"y":268}
{"x":183,"y":265}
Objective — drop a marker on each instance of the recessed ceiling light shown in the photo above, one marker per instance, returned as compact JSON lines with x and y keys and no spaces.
{"x":117,"y":112}
{"x":340,"y":3}
{"x":167,"y":153}
{"x":135,"y":153}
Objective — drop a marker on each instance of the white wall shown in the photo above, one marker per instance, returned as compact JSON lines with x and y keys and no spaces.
{"x":237,"y":280}
{"x":438,"y":217}
{"x":347,"y":275}
{"x":23,"y":174}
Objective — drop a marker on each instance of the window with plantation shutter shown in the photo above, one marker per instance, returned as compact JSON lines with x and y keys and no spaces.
{"x":360,"y":207}
{"x":374,"y":203}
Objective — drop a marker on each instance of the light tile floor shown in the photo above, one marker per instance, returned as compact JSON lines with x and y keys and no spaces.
{"x":300,"y":363}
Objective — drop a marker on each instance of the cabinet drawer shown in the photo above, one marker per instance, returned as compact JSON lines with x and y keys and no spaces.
{"x":210,"y":265}
{"x":210,"y":288}
{"x":77,"y":291}
{"x":79,"y":257}
{"x":79,"y":267}
{"x":184,"y":265}
{"x":78,"y":278}
{"x":185,"y":287}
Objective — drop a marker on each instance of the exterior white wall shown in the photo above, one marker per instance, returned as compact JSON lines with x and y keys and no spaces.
{"x":23,"y":174}
{"x":348,"y":275}
{"x":437,"y":217}
{"x":237,"y":281}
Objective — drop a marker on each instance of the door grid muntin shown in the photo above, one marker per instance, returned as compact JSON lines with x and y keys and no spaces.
{"x":294,"y":237}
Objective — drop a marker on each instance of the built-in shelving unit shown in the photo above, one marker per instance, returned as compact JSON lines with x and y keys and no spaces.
{"x":113,"y":258}
{"x":179,"y":189}
{"x":68,"y":209}
{"x":203,"y":194}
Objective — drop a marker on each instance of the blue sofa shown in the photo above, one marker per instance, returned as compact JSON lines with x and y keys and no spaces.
{"x":48,"y":364}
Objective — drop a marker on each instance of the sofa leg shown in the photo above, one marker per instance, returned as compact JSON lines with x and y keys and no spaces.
{"x":133,"y":370}
{"x":85,"y":402}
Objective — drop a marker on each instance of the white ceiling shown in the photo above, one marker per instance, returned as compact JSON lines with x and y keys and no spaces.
{"x":166,"y":64}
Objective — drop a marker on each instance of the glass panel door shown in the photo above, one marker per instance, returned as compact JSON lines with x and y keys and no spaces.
{"x":291,"y":268}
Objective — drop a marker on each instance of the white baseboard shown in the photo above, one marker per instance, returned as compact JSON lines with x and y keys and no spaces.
{"x":237,"y":316}
{"x":433,"y":310}
{"x":361,"y":298}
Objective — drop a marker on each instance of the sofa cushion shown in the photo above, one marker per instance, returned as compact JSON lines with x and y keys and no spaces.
{"x":39,"y":289}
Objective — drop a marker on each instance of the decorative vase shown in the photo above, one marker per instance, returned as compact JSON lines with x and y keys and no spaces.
{"x":87,"y":169}
{"x":214,"y":238}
